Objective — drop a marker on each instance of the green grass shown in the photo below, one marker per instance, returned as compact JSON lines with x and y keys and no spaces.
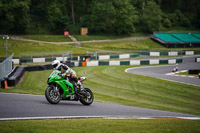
{"x":101,"y":126}
{"x":41,"y":49}
{"x":36,"y":49}
{"x":131,"y":46}
{"x":108,"y":36}
{"x":111,"y":84}
{"x":99,"y":37}
{"x":183,"y":73}
{"x":126,"y":45}
{"x":48,"y":38}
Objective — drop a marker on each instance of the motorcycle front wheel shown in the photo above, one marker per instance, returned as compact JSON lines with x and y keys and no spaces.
{"x":52,"y":95}
{"x":88,"y":99}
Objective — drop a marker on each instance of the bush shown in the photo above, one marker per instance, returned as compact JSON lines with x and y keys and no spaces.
{"x":73,"y":28}
{"x":166,"y":22}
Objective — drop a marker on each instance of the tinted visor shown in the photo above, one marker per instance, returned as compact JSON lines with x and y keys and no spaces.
{"x":54,"y":66}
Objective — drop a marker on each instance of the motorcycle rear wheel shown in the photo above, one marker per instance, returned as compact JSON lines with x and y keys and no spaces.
{"x":89,"y":99}
{"x":51,"y":95}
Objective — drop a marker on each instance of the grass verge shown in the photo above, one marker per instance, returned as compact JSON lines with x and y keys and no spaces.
{"x":48,"y":38}
{"x":102,"y":125}
{"x":111,"y":84}
{"x":99,"y":37}
{"x":41,"y":49}
{"x":125,"y":46}
{"x":34,"y":49}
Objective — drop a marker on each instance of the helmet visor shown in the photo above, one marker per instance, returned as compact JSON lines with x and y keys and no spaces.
{"x":55,"y":65}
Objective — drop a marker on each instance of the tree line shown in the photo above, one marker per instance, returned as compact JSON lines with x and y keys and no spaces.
{"x":100,"y":16}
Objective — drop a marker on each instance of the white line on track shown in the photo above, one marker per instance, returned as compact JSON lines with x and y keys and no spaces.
{"x":174,"y":74}
{"x":159,"y":78}
{"x":48,"y":117}
{"x":147,"y":67}
{"x":86,"y":117}
{"x":5,"y":93}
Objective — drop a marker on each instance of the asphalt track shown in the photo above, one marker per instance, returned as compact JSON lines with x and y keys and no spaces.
{"x":161,"y":71}
{"x":23,"y":106}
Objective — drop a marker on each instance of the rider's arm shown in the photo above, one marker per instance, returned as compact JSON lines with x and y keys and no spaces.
{"x":62,"y":70}
{"x":65,"y":70}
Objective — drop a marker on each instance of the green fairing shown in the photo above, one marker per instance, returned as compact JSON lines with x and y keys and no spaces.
{"x":63,"y":83}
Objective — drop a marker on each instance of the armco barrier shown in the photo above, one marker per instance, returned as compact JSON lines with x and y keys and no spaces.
{"x":108,"y":57}
{"x":6,"y":67}
{"x":114,"y":63}
{"x":49,"y":59}
{"x":144,"y":62}
{"x":104,"y":57}
{"x":124,"y":62}
{"x":135,"y":62}
{"x":154,"y":53}
{"x":154,"y":61}
{"x":103,"y":63}
{"x":197,"y":59}
{"x":163,"y":61}
{"x":131,"y":62}
{"x":197,"y":52}
{"x":44,"y":67}
{"x":172,"y":53}
{"x":164,"y":53}
{"x":179,"y":60}
{"x":189,"y":53}
{"x":143,"y":53}
{"x":172,"y":61}
{"x":22,"y":60}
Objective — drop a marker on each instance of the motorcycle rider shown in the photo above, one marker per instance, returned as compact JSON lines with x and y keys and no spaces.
{"x":65,"y":70}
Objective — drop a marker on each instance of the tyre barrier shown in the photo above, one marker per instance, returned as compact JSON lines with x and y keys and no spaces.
{"x":38,"y":68}
{"x":14,"y":77}
{"x":194,"y":71}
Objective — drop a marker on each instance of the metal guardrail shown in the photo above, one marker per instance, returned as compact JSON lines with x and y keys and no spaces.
{"x":6,"y":67}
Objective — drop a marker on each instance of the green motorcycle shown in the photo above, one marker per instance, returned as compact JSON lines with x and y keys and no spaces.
{"x":64,"y":89}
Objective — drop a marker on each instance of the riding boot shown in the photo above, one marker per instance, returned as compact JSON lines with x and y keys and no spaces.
{"x":80,"y":86}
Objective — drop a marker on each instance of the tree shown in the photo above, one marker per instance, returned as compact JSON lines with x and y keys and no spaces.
{"x":102,"y":16}
{"x":126,"y":17}
{"x":14,"y":16}
{"x":152,"y":17}
{"x":111,"y":16}
{"x":57,"y":19}
{"x":72,"y":9}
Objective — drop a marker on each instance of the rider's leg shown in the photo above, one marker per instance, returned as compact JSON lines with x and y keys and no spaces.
{"x":74,"y":78}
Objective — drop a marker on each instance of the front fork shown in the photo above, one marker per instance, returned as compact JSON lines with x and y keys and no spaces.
{"x":56,"y":90}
